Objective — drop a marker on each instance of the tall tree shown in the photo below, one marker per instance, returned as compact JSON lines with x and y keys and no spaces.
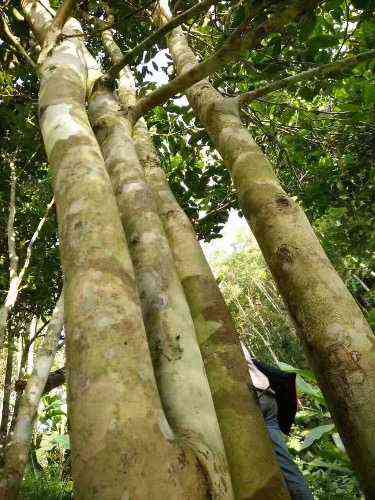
{"x":135,"y":277}
{"x":338,"y":340}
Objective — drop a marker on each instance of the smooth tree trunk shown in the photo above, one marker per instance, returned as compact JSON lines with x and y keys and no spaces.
{"x":245,"y":437}
{"x":338,"y":341}
{"x":18,"y":446}
{"x":254,"y":471}
{"x":178,"y":364}
{"x":122,"y":445}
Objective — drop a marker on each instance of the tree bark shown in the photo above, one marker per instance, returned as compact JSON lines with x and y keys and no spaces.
{"x":176,"y":357}
{"x":118,"y":427}
{"x":236,"y":409}
{"x":254,"y":471}
{"x":336,"y":336}
{"x":7,"y":390}
{"x":17,"y":449}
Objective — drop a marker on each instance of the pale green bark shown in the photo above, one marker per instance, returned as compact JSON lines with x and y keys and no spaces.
{"x":337,"y":338}
{"x":122,"y":446}
{"x":17,"y":449}
{"x":254,"y":471}
{"x":178,"y":364}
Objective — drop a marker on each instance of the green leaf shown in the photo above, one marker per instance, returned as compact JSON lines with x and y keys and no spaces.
{"x":307,"y":374}
{"x":309,"y":389}
{"x":315,"y":434}
{"x":369,"y":94}
{"x":63,"y":441}
{"x":361,"y":4}
{"x":323,"y":41}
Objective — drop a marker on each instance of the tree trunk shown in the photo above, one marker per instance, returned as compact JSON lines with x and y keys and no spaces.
{"x":254,"y":471}
{"x":337,"y":338}
{"x":18,"y":447}
{"x":177,"y":360}
{"x":122,"y":446}
{"x":7,"y":391}
{"x":227,"y":372}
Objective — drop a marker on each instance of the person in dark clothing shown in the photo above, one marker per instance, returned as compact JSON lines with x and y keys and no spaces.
{"x":277,"y":396}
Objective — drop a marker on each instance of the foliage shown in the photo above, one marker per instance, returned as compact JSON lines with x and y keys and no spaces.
{"x":48,"y":485}
{"x":263,"y":323}
{"x":257,"y":308}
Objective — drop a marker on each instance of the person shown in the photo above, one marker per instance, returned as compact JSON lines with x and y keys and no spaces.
{"x":277,"y":396}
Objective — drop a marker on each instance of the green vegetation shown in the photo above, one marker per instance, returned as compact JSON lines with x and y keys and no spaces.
{"x":318,"y":135}
{"x":264,"y":325}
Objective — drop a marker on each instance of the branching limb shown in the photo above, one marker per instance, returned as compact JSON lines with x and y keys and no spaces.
{"x":324,"y":69}
{"x":16,"y":43}
{"x":13,"y":257}
{"x":157,"y":35}
{"x":243,"y":38}
{"x":15,"y":278}
{"x":62,"y":15}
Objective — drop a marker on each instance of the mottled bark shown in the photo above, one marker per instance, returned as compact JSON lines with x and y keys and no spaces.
{"x":245,"y":437}
{"x":122,"y":446}
{"x":17,"y":449}
{"x":254,"y":471}
{"x":178,"y":365}
{"x":7,"y":390}
{"x":337,"y":338}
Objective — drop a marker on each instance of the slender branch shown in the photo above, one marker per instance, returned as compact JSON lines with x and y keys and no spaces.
{"x":243,"y":38}
{"x":155,"y":36}
{"x":16,"y":43}
{"x":214,"y":211}
{"x":13,"y":257}
{"x":136,"y":11}
{"x":334,"y":67}
{"x":57,"y":25}
{"x":33,"y":239}
{"x":38,"y":332}
{"x":15,"y":278}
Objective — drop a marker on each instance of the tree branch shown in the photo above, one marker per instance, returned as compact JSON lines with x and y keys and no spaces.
{"x":154,"y":37}
{"x":16,"y":43}
{"x":57,"y":25}
{"x":243,"y":38}
{"x":33,"y":239}
{"x":13,"y":257}
{"x":334,"y":67}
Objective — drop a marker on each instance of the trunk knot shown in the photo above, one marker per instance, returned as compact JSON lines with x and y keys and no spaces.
{"x":285,"y":254}
{"x":283,"y":202}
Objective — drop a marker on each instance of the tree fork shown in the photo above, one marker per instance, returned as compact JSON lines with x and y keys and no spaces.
{"x":336,"y":336}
